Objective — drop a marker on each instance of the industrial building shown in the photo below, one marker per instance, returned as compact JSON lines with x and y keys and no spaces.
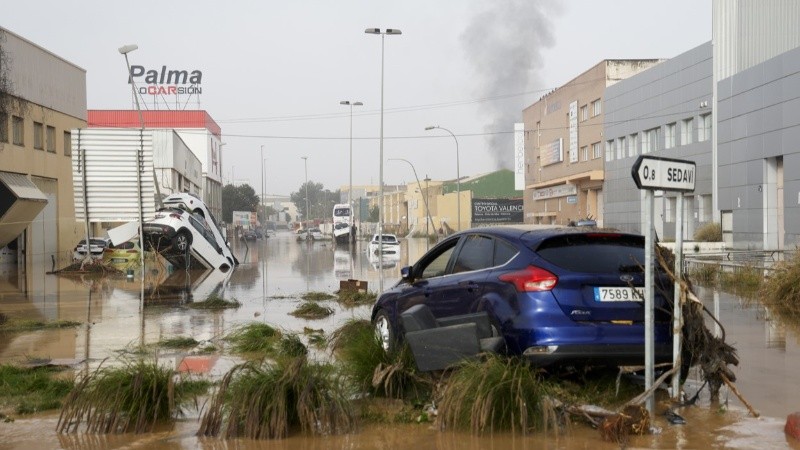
{"x":43,"y":101}
{"x":563,"y":145}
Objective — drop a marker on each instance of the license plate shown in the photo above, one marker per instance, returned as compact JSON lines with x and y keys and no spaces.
{"x":119,"y":260}
{"x":618,"y":294}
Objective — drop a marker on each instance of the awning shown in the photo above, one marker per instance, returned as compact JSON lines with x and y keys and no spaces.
{"x":20,"y":202}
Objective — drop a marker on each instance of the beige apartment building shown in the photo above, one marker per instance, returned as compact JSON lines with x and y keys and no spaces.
{"x":47,"y":99}
{"x":563,"y":145}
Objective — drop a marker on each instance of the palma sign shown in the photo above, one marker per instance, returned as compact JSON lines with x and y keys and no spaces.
{"x":166,"y":81}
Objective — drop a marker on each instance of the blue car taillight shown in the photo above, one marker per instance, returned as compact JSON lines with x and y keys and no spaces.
{"x":531,"y":279}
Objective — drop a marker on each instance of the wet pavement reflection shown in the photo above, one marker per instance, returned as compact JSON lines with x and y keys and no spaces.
{"x":273,"y":274}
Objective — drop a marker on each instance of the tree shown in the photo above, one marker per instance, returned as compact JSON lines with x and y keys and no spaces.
{"x":320,"y":200}
{"x":237,"y":198}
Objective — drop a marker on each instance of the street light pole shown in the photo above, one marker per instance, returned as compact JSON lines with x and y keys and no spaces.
{"x":458,"y":173}
{"x":124,"y":50}
{"x":380,"y":176}
{"x":305,"y":163}
{"x":350,"y":190}
{"x":261,"y":199}
{"x":424,"y":200}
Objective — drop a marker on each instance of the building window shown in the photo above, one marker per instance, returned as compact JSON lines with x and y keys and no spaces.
{"x":50,"y":139}
{"x":3,"y":127}
{"x":687,"y":131}
{"x":67,"y":143}
{"x":596,"y":152}
{"x":584,"y":113}
{"x":669,"y":135}
{"x":585,"y":153}
{"x":18,"y":130}
{"x":597,"y":108}
{"x":609,"y":150}
{"x":669,"y":209}
{"x":704,"y":205}
{"x":620,"y":148}
{"x":633,"y":142}
{"x":704,"y":131}
{"x":38,"y":136}
{"x":650,"y":140}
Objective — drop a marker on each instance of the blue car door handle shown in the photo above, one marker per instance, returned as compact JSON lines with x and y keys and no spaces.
{"x":427,"y":292}
{"x":469,"y":285}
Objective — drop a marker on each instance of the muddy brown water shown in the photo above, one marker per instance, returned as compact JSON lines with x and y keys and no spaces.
{"x":272,"y":276}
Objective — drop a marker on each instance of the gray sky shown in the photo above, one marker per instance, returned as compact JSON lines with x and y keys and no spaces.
{"x":274,"y":72}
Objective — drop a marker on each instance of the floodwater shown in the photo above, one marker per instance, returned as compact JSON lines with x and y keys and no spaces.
{"x":272,"y":275}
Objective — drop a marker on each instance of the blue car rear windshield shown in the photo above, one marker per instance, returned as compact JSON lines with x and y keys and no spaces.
{"x":594,"y":252}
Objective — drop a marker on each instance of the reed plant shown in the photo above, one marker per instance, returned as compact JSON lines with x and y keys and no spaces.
{"x":780,"y":292}
{"x":492,"y":394}
{"x":371,"y":369}
{"x":710,"y":232}
{"x":271,"y":400}
{"x":133,"y":397}
{"x":254,"y":337}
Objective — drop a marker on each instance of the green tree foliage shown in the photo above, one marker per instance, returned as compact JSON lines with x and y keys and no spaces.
{"x":320,"y":200}
{"x":237,"y":198}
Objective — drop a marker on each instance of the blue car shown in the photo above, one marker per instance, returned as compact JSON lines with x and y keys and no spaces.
{"x":567,"y":296}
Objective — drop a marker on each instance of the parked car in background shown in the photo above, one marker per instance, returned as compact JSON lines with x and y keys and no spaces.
{"x":315,"y":234}
{"x":248,"y":235}
{"x":556,"y":295}
{"x":126,"y":253}
{"x":184,"y":240}
{"x":96,"y":247}
{"x":389,"y":242}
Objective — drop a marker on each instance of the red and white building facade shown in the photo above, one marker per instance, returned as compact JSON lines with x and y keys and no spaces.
{"x":195,"y":130}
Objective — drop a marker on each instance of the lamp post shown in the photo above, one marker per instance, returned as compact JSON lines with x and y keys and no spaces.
{"x":305,"y":163}
{"x":261,"y":199}
{"x":430,"y":221}
{"x":124,"y":50}
{"x":391,"y":31}
{"x":350,"y":189}
{"x":458,"y":173}
{"x":424,"y":199}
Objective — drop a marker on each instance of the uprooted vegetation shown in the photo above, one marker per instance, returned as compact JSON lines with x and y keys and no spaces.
{"x":215,"y":302}
{"x":33,"y":324}
{"x":268,"y":400}
{"x":309,"y":310}
{"x":134,"y":397}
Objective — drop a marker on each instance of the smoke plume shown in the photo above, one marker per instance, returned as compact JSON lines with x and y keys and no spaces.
{"x":505,"y":44}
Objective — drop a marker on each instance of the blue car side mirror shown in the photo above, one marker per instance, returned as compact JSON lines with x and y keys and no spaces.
{"x":405,"y":272}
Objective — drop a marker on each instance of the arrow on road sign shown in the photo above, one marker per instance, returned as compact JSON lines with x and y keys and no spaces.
{"x":665,"y":174}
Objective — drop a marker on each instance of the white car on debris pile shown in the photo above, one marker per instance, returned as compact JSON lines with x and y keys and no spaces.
{"x":186,"y":240}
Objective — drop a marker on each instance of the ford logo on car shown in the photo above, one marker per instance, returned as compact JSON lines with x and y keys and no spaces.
{"x":626,"y":278}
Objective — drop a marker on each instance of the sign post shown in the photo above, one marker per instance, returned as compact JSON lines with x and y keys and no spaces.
{"x":653,"y":173}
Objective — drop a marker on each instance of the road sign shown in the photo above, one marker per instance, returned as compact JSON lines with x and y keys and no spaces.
{"x":665,"y":174}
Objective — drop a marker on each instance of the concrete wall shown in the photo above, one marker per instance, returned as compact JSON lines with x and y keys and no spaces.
{"x":672,"y":92}
{"x":759,"y":126}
